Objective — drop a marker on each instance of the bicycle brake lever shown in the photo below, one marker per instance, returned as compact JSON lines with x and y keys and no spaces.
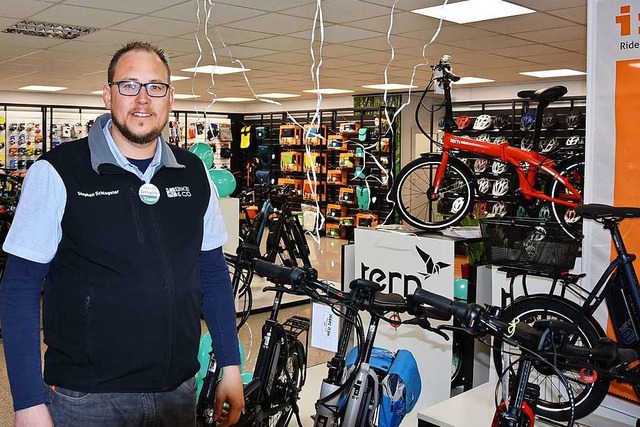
{"x":457,"y":329}
{"x":424,"y":323}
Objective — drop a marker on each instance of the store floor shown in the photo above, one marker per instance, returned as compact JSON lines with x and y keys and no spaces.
{"x":325,"y":256}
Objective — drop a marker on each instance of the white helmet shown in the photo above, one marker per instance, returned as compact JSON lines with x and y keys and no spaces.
{"x":482,"y":122}
{"x":483,"y":185}
{"x":526,"y":143}
{"x":573,"y":140}
{"x":548,"y":145}
{"x":499,"y":209}
{"x":500,"y":187}
{"x":480,"y":164}
{"x":498,"y":167}
{"x":457,"y":205}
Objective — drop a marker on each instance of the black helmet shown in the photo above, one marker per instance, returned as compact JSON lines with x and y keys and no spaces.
{"x":575,"y":119}
{"x":441,"y":123}
{"x":549,"y":120}
{"x":501,"y":121}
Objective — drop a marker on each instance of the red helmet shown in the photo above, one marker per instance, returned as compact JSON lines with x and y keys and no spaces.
{"x":463,"y":122}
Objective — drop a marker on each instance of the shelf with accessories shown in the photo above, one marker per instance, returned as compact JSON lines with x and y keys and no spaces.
{"x":562,"y":137}
{"x":343,"y":147}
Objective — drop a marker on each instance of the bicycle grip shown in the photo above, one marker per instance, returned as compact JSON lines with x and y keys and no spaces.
{"x":289,"y":275}
{"x":459,"y":310}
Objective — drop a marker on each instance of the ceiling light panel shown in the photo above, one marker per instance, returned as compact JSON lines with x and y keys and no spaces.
{"x":473,"y":11}
{"x":37,"y":88}
{"x":545,"y":74}
{"x":215,"y":69}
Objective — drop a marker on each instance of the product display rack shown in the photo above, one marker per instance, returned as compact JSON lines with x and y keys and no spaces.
{"x":558,"y":141}
{"x":278,"y":155}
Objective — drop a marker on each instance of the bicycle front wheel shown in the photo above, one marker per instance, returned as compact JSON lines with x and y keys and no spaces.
{"x":554,"y":401}
{"x":289,"y":379}
{"x":566,"y":216}
{"x":414,"y":198}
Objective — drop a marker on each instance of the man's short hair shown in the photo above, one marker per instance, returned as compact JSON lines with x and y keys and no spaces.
{"x":136,"y":45}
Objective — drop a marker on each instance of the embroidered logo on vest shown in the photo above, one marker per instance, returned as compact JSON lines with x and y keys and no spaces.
{"x":178,"y":191}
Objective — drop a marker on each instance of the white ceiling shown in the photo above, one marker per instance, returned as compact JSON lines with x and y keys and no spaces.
{"x":272,"y":38}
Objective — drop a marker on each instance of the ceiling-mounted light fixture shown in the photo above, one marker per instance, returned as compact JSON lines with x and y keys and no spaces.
{"x":48,"y":29}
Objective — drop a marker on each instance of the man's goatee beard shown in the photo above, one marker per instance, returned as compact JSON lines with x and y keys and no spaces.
{"x":136,"y":139}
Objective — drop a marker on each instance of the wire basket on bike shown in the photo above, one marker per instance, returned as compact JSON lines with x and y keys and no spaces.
{"x":528,"y":244}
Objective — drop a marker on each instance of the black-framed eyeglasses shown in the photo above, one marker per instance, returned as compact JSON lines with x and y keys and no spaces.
{"x":132,"y":88}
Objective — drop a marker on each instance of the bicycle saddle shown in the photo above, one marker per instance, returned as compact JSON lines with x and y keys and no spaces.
{"x":546,"y":95}
{"x":598,"y":211}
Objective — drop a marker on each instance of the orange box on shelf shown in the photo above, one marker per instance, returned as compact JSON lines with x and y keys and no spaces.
{"x":366,"y":220}
{"x":335,"y":231}
{"x":337,"y":176}
{"x":295,"y":183}
{"x":314,"y":134}
{"x":347,"y":195}
{"x":349,"y":129}
{"x":290,"y":161}
{"x":290,"y":135}
{"x":346,"y":160}
{"x":317,"y":160}
{"x":336,"y":142}
{"x":307,"y":192}
{"x":336,"y":211}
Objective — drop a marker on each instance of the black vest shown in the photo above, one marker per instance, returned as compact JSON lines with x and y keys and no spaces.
{"x":122,"y":299}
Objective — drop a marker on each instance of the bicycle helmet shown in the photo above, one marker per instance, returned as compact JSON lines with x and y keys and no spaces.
{"x":441,"y":123}
{"x":483,"y":185}
{"x":522,"y":212}
{"x":22,"y":151}
{"x":444,"y":205}
{"x":501,"y":121}
{"x":544,"y":213}
{"x":526,"y":143}
{"x":480,"y":164}
{"x":571,"y":216}
{"x":528,"y":120}
{"x":464,"y":122}
{"x":37,"y":151}
{"x":498,"y":168}
{"x":22,"y":138}
{"x":500,"y":139}
{"x":548,"y":145}
{"x":482,"y":122}
{"x":500,"y":187}
{"x":13,"y":151}
{"x":484,"y":137}
{"x":457,"y":205}
{"x":13,"y":127}
{"x":575,"y":119}
{"x":480,"y":208}
{"x":549,"y":120}
{"x":573,"y":140}
{"x":499,"y":209}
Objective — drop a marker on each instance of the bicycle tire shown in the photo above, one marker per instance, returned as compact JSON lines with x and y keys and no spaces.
{"x":414,"y":184}
{"x":587,"y":397}
{"x":570,"y":222}
{"x":287,"y":384}
{"x":457,"y":377}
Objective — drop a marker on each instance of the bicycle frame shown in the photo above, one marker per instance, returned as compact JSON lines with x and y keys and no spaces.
{"x":505,"y":153}
{"x":628,"y":331}
{"x":515,"y":157}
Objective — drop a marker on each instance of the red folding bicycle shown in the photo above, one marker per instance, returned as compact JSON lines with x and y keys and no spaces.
{"x":438,"y":190}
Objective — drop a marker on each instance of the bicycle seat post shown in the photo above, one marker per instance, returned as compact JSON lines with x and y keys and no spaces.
{"x":538,"y":126}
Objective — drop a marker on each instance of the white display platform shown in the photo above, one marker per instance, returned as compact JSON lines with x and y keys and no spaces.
{"x":475,"y":408}
{"x":404,"y":262}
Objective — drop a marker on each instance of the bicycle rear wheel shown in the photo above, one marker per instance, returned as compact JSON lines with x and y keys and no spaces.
{"x":567,"y":217}
{"x":554,"y":401}
{"x":289,"y":379}
{"x":413,"y":193}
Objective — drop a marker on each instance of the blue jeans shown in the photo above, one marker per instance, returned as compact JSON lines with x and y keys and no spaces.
{"x":175,"y":408}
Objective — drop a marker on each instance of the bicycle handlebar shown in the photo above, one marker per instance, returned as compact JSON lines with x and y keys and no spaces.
{"x":480,"y":320}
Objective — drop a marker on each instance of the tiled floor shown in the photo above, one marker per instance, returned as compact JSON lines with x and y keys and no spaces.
{"x":325,"y":257}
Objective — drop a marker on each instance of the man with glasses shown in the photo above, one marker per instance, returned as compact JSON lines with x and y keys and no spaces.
{"x":126,"y":232}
